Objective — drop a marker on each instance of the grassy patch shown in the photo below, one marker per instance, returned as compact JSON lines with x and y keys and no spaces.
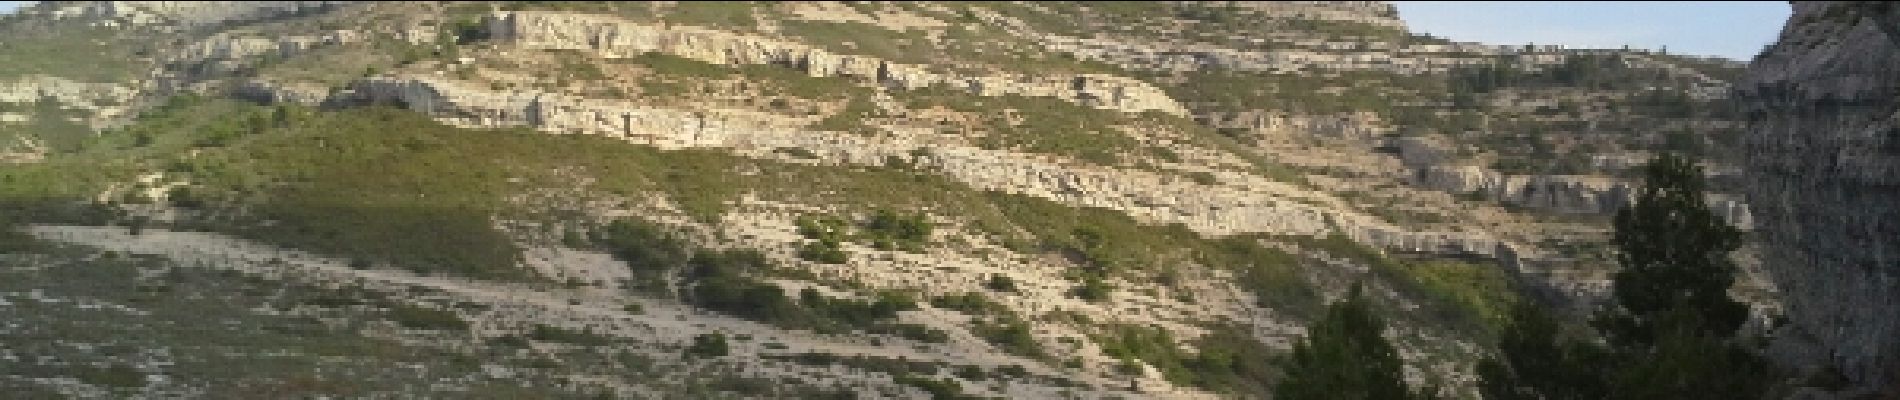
{"x":1480,"y":293}
{"x":67,"y":49}
{"x":1230,"y":359}
{"x":1009,"y":335}
{"x":1040,"y":125}
{"x":716,"y":14}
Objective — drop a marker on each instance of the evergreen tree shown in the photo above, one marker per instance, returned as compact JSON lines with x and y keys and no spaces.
{"x":1674,"y":255}
{"x":1539,"y":363}
{"x":1687,"y":363}
{"x":1672,"y":325}
{"x":1344,"y":356}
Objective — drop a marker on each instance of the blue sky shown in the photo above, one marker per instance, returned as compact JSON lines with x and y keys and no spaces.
{"x":1732,"y":29}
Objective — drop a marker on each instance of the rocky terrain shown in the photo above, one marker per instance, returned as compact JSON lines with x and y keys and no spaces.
{"x":1823,"y":151}
{"x":1130,"y":191}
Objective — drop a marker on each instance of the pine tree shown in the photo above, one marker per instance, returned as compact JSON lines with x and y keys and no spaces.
{"x":1671,"y":330}
{"x":1674,"y":255}
{"x":1344,"y":356}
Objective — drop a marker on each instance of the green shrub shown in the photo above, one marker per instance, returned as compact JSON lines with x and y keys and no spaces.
{"x":939,"y":389}
{"x":968,"y":303}
{"x":426,"y":318}
{"x":1000,"y":283}
{"x":821,"y":251}
{"x":549,"y":333}
{"x":1093,"y":289}
{"x":651,"y":251}
{"x":708,"y":345}
{"x":887,"y":230}
{"x":1009,"y":335}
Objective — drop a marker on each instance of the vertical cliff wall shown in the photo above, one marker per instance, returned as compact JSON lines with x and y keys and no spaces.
{"x":1824,"y":155}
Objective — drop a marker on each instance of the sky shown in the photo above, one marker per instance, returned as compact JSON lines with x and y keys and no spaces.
{"x":1731,"y":29}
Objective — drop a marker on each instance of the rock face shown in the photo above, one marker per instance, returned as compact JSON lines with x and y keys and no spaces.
{"x":611,"y":38}
{"x":1251,"y":205}
{"x":1572,"y":194}
{"x":1359,"y":125}
{"x":184,"y":13}
{"x":101,"y":103}
{"x":1824,"y":155}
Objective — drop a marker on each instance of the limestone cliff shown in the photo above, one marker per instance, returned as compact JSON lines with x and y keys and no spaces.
{"x":622,"y":39}
{"x":1825,"y":159}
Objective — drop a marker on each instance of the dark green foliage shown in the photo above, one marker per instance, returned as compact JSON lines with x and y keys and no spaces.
{"x":426,"y":318}
{"x":1345,"y":356}
{"x":708,"y":345}
{"x":469,"y":30}
{"x":1674,"y":256}
{"x":1000,"y":283}
{"x":1270,"y":274}
{"x":887,"y":230}
{"x":721,"y":281}
{"x":823,"y":252}
{"x":853,"y":313}
{"x":549,"y":333}
{"x":1539,"y":362}
{"x":1010,"y":335}
{"x":725,"y":281}
{"x":1229,"y":361}
{"x":893,"y":366}
{"x":968,"y":303}
{"x":884,"y":230}
{"x":1693,"y":365}
{"x":1093,"y":289}
{"x":915,"y":332}
{"x":650,"y":250}
{"x":939,"y":389}
{"x":411,"y":237}
{"x":1153,"y":345}
{"x":823,"y":228}
{"x":1671,"y":330}
{"x":828,"y":235}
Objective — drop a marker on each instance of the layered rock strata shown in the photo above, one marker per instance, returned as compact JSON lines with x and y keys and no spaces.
{"x":1824,"y":155}
{"x":613,"y":38}
{"x":1246,"y":204}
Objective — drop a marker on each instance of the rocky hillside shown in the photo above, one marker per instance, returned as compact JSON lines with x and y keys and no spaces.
{"x":1006,"y":199}
{"x":1823,"y":152}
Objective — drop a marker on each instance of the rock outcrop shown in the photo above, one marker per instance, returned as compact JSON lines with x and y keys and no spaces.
{"x":1572,"y":194}
{"x":181,"y":13}
{"x":612,"y":38}
{"x":101,"y":104}
{"x":1247,"y":204}
{"x":1824,"y":155}
{"x":66,"y":92}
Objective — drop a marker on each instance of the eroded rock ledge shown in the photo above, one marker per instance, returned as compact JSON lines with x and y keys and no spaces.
{"x":609,"y":37}
{"x":1246,"y":204}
